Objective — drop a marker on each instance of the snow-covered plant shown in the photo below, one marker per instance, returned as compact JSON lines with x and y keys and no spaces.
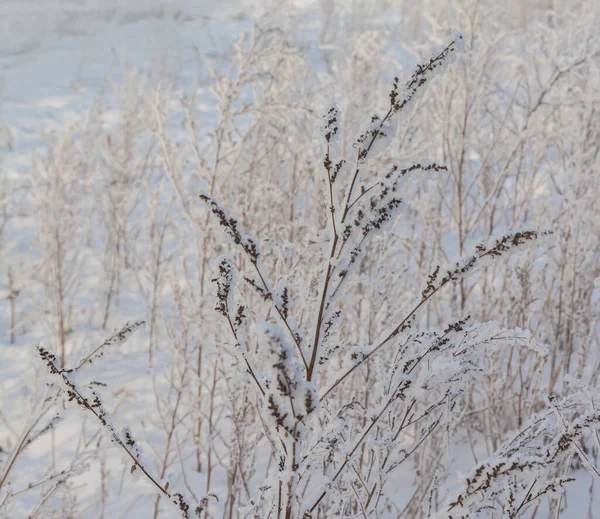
{"x":295,"y":366}
{"x":531,"y":464}
{"x":91,"y":403}
{"x":350,"y":367}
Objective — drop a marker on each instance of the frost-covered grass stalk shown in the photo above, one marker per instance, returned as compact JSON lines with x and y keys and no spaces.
{"x":64,"y":379}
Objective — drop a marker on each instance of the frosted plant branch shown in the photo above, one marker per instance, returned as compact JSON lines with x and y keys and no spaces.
{"x":436,"y":282}
{"x":250,"y":247}
{"x":365,"y":142}
{"x":118,"y":338}
{"x":124,"y":441}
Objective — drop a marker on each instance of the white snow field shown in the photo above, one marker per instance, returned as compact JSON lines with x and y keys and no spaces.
{"x":220,"y":297}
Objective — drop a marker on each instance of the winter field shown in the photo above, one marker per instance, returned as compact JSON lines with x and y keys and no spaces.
{"x":299,"y":259}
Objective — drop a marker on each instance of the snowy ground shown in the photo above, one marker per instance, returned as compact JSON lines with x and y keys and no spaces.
{"x":55,"y":56}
